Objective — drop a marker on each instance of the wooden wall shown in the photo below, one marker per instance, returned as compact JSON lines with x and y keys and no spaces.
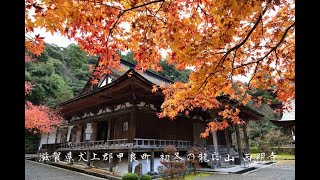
{"x":220,"y":137}
{"x":118,"y":125}
{"x":149,"y":126}
{"x":198,"y":128}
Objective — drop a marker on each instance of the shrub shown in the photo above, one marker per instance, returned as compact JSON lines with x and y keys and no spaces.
{"x":130,"y":176}
{"x":283,"y":150}
{"x":193,"y":163}
{"x":254,"y":150}
{"x":146,"y":177}
{"x":265,"y":149}
{"x":173,"y":168}
{"x":194,"y":150}
{"x":170,"y":150}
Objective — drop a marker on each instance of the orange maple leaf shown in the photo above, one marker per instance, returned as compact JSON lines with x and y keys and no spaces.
{"x":154,"y":88}
{"x":95,"y":81}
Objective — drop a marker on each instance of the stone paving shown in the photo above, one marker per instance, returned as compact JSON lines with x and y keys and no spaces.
{"x":38,"y":171}
{"x":281,"y":170}
{"x":236,"y":168}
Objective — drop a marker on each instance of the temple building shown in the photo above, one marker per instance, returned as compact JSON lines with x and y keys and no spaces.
{"x":287,"y":120}
{"x":118,"y":115}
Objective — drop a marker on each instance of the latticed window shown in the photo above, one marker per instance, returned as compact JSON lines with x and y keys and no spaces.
{"x":125,"y":126}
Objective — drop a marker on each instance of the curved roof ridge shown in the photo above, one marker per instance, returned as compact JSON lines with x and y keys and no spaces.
{"x":131,"y":66}
{"x":125,"y":75}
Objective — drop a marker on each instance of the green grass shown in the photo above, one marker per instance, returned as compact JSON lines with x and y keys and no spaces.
{"x":192,"y":176}
{"x":278,"y":156}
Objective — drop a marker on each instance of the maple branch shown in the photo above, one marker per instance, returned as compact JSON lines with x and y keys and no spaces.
{"x":253,"y":75}
{"x":144,"y":4}
{"x":159,"y":8}
{"x":244,"y":3}
{"x":273,"y":48}
{"x":233,"y":48}
{"x":248,"y":86}
{"x":101,"y":3}
{"x":250,"y":32}
{"x":232,"y":64}
{"x":257,"y":62}
{"x":126,"y":10}
{"x":155,"y":15}
{"x":265,"y":46}
{"x":119,"y":16}
{"x":205,"y":13}
{"x":222,"y":52}
{"x":170,"y":2}
{"x":147,"y":21}
{"x":262,"y":33}
{"x":277,"y":59}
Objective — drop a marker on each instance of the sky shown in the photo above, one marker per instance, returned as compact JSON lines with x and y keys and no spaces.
{"x":56,"y":39}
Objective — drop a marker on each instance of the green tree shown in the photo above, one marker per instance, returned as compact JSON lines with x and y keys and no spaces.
{"x":71,"y":63}
{"x":263,"y":131}
{"x":49,"y":88}
{"x":128,"y":57}
{"x":168,"y":71}
{"x":74,"y":56}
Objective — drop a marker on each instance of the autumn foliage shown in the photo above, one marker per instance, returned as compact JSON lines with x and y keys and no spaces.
{"x":221,"y":40}
{"x":38,"y":119}
{"x":41,"y":119}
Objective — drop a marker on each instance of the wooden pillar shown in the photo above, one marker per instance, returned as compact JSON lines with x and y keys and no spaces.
{"x":132,"y":125}
{"x":226,"y":134}
{"x":246,"y":138}
{"x":109,"y":129}
{"x":88,"y":158}
{"x":152,"y":164}
{"x":215,"y":141}
{"x":79,"y":134}
{"x":130,"y":164}
{"x":238,"y":141}
{"x":94,"y":127}
{"x":68,"y":133}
